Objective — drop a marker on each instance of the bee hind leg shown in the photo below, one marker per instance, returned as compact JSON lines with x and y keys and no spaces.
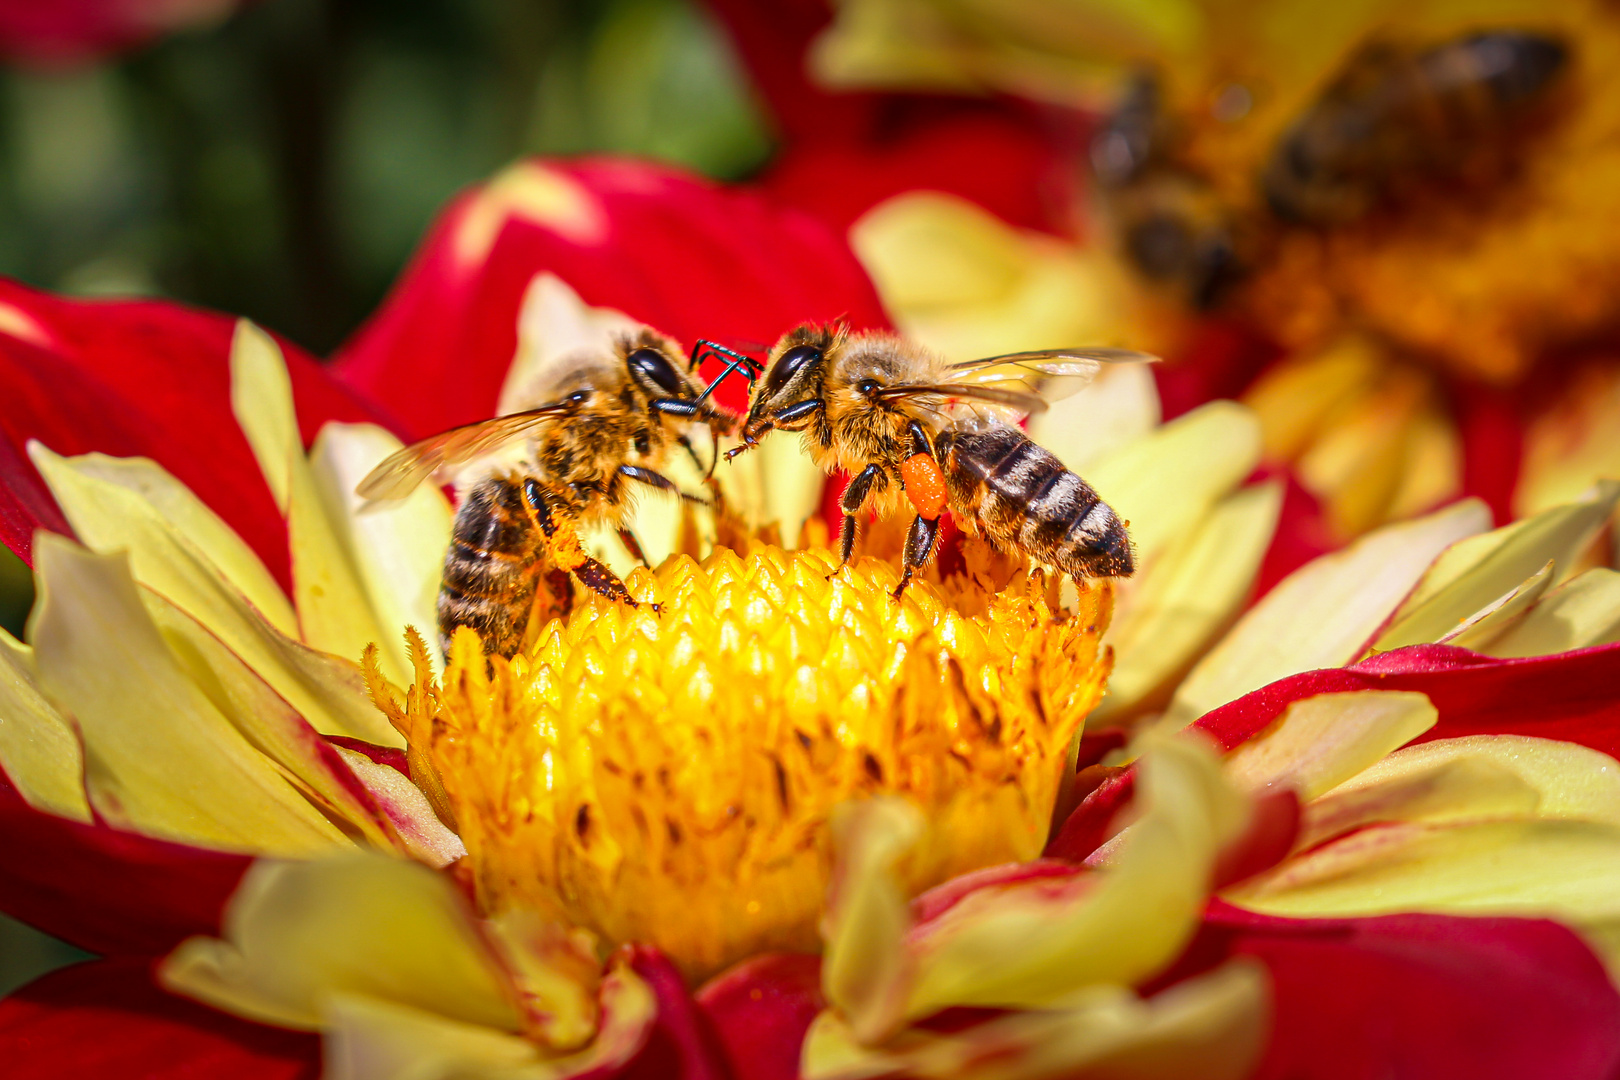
{"x":604,"y":582}
{"x":920,"y":541}
{"x":566,"y":552}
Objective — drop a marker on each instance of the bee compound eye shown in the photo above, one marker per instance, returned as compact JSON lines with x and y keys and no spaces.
{"x":653,"y":366}
{"x":788,"y":365}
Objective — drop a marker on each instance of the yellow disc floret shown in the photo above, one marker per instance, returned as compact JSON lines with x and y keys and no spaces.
{"x":666,"y":776}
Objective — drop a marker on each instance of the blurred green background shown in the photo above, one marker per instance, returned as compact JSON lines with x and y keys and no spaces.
{"x":284,"y":164}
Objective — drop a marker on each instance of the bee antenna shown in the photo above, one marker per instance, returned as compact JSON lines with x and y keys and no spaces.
{"x":704,"y":348}
{"x":741,"y":363}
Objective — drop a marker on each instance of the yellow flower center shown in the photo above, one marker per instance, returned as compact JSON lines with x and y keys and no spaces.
{"x":667,"y":777}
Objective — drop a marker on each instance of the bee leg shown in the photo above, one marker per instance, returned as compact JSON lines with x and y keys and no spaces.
{"x":855,"y":495}
{"x":604,"y":582}
{"x":692,"y":453}
{"x":566,"y":552}
{"x":659,"y":481}
{"x":920,"y":540}
{"x":633,"y":546}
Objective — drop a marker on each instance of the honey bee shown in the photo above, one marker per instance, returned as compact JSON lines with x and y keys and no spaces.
{"x":1171,"y":224}
{"x":607,"y":426}
{"x":1396,"y":121}
{"x":909,"y":427}
{"x":1397,"y":118}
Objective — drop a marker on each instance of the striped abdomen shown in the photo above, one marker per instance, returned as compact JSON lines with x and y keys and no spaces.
{"x":1023,"y":499}
{"x":489,"y":571}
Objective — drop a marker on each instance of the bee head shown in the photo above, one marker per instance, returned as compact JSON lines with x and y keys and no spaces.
{"x":656,"y":376}
{"x":789,"y":392}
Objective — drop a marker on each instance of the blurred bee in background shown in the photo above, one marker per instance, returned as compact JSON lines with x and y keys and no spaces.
{"x":1170,"y":223}
{"x":1397,"y":121}
{"x":606,"y":427}
{"x":908,"y":426}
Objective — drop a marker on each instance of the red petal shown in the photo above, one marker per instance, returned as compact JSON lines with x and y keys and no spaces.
{"x":771,"y":38}
{"x":1429,"y":996}
{"x":681,"y":1045}
{"x":1001,"y":157}
{"x":846,"y":152}
{"x":104,"y":890}
{"x":761,"y":1010}
{"x":1570,"y":696}
{"x":684,"y":255}
{"x":1302,"y":532}
{"x":106,"y":1019}
{"x":1265,"y":843}
{"x":67,"y":31}
{"x":140,"y":378}
{"x":1493,"y":442}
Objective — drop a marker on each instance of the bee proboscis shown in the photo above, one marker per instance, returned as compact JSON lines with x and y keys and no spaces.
{"x":607,"y":426}
{"x":908,"y":426}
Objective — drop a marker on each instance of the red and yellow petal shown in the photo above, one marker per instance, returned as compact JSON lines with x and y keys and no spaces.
{"x":140,"y":379}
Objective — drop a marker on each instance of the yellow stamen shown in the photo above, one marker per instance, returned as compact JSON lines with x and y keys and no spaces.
{"x":667,"y":777}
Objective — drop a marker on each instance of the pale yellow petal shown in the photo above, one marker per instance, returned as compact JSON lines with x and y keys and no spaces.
{"x":556,"y":970}
{"x":398,"y":546}
{"x":1559,"y":535}
{"x":1120,"y":406}
{"x":1581,"y":612}
{"x":298,"y":933}
{"x":371,"y":1039}
{"x":267,"y":722}
{"x":422,"y":834}
{"x":866,"y":970}
{"x":1322,"y":614}
{"x":963,"y":283}
{"x":1211,"y":1026}
{"x":159,"y":757}
{"x":1320,"y":742}
{"x":1357,"y":464}
{"x":367,"y":1038}
{"x":197,"y":527}
{"x":526,"y":191}
{"x":1164,"y":484}
{"x":1572,"y":444}
{"x":1454,"y":789}
{"x":334,"y":614}
{"x":327,"y":691}
{"x":1432,"y":472}
{"x":39,"y":752}
{"x":1025,"y":946}
{"x":554,"y":327}
{"x":1178,"y":605}
{"x":1559,"y":868}
{"x":1502,"y":614}
{"x":1570,"y":780}
{"x":1293,"y":399}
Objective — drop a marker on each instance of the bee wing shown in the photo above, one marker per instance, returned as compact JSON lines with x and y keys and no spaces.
{"x":1017,"y":384}
{"x":1049,"y":374}
{"x":1003,"y":398}
{"x":400,"y":472}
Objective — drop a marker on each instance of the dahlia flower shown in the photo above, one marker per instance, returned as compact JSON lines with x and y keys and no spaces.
{"x":786,"y":824}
